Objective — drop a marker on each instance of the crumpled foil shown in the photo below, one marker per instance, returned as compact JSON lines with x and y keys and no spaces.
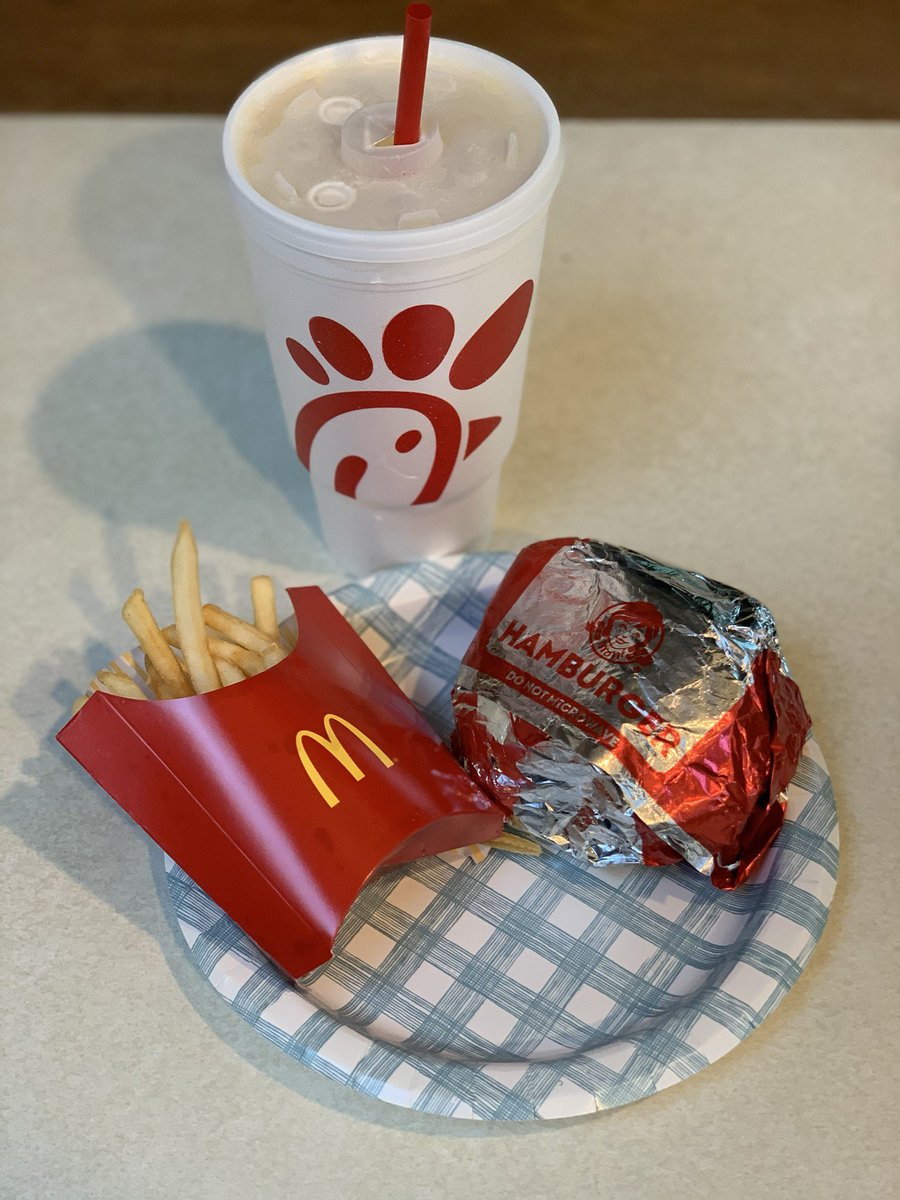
{"x":628,"y":711}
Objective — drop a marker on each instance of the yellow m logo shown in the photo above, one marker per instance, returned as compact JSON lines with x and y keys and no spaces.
{"x":332,"y":744}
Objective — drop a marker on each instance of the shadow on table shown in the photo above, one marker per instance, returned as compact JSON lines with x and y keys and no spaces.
{"x":155,"y":217}
{"x":71,"y":823}
{"x":179,"y":416}
{"x":172,"y":420}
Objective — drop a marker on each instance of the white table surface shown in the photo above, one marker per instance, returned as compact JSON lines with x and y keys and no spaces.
{"x":713,"y":380}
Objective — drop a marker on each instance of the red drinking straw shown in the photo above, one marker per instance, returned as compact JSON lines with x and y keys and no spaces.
{"x":413,"y":65}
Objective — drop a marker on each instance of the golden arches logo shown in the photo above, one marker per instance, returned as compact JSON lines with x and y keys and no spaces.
{"x":332,"y":743}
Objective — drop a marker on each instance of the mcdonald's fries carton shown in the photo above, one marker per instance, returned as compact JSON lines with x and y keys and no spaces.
{"x":284,"y":793}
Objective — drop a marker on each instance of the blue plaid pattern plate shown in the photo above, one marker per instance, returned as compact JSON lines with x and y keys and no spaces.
{"x":522,"y":988}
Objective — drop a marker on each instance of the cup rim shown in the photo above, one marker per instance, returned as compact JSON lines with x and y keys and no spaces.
{"x":266,"y":219}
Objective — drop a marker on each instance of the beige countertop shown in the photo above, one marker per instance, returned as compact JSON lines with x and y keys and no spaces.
{"x":713,"y":380}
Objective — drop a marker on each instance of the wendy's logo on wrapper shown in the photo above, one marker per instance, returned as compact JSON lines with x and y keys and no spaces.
{"x":414,"y":344}
{"x":628,"y":633}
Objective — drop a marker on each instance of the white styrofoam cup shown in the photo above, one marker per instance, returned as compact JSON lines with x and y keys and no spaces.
{"x":399,"y":354}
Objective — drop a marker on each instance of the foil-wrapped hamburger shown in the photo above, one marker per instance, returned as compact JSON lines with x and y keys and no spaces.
{"x":631,"y":712}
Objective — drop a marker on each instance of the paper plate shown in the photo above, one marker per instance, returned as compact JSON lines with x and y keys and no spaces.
{"x":523,"y":988}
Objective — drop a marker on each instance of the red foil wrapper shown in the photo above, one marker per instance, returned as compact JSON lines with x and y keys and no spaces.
{"x":629,"y":711}
{"x":283,"y":794}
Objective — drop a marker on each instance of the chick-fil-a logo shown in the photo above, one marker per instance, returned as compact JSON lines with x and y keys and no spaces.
{"x":414,"y":344}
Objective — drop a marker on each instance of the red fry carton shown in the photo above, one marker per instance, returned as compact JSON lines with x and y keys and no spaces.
{"x":283,"y":794}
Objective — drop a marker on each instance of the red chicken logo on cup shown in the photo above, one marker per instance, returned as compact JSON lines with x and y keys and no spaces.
{"x":414,"y":344}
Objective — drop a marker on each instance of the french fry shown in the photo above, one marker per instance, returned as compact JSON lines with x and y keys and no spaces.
{"x":206,"y":648}
{"x":179,"y":654}
{"x":245,"y":660}
{"x":135,"y":666}
{"x":515,"y":844}
{"x":235,"y":629}
{"x":157,"y":684}
{"x":188,"y":609}
{"x":157,"y":687}
{"x":265,"y":616}
{"x":79,"y":704}
{"x":142,"y":624}
{"x":510,"y":842}
{"x":239,"y":656}
{"x":228,"y":672}
{"x":119,"y":685}
{"x":273,"y":654}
